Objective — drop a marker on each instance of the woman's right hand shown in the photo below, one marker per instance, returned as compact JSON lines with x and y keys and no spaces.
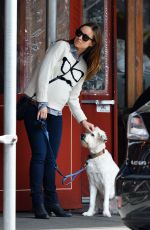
{"x":42,"y":114}
{"x":88,"y":126}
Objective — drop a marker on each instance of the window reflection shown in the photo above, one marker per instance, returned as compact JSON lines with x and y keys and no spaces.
{"x":121,"y":36}
{"x":94,"y":11}
{"x":146,"y":43}
{"x":31,"y":39}
{"x":63,"y":13}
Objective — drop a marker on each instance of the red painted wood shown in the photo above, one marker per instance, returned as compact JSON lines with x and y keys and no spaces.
{"x":70,"y":152}
{"x":115,"y":86}
{"x":106,"y":121}
{"x":76,"y":15}
{"x":68,"y":162}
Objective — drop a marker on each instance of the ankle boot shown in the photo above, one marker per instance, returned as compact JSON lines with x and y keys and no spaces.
{"x":40,"y":211}
{"x":57,"y":210}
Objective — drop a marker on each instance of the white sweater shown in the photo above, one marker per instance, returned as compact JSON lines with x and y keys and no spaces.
{"x":59,"y":80}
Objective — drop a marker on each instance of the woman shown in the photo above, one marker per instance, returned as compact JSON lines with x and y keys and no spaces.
{"x":67,"y":64}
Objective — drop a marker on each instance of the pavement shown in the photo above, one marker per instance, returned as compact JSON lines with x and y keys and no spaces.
{"x":26,"y":221}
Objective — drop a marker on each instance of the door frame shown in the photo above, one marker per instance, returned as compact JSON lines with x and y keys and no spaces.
{"x":110,"y":91}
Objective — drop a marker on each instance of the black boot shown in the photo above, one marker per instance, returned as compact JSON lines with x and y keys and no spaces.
{"x":57,"y":210}
{"x":40,"y":211}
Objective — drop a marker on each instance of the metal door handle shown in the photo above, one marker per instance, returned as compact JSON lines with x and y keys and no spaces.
{"x":8,"y":139}
{"x":98,"y":102}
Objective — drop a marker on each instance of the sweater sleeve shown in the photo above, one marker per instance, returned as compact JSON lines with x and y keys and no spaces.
{"x":74,"y":103}
{"x":53,"y":54}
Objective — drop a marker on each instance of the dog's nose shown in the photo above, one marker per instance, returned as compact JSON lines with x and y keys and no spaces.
{"x":82,"y":136}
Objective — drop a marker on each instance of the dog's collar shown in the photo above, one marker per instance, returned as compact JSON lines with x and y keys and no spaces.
{"x":92,"y":156}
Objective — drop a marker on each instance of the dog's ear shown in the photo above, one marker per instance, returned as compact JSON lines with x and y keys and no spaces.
{"x":103,"y":136}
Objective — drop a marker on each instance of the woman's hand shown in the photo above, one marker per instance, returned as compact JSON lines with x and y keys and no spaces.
{"x":88,"y":126}
{"x":42,"y":113}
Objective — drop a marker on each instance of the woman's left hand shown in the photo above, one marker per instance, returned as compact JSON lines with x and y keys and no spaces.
{"x":88,"y":126}
{"x":42,"y":113}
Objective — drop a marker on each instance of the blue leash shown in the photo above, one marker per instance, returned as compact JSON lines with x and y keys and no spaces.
{"x":72,"y":176}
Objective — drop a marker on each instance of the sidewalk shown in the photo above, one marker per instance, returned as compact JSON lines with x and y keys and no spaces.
{"x":26,"y":221}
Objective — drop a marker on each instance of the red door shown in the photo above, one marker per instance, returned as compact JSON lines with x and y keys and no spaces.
{"x":99,"y":104}
{"x":99,"y":99}
{"x":69,"y":159}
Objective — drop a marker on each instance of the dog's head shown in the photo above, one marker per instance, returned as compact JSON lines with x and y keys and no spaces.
{"x":94,"y":141}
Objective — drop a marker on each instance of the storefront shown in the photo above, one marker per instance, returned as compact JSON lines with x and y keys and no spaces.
{"x":133,"y":60}
{"x":98,"y":97}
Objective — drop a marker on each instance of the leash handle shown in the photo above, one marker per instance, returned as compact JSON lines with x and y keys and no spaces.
{"x":72,"y":176}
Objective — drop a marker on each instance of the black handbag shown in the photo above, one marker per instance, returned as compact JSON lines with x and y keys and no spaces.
{"x":22,"y":105}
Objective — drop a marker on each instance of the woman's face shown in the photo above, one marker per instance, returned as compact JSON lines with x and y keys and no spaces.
{"x":83,"y":39}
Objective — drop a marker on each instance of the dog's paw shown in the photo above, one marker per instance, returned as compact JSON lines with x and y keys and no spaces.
{"x":88,"y":213}
{"x":106,"y":213}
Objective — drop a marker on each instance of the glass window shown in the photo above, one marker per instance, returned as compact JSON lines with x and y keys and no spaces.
{"x":31,"y":39}
{"x":121,"y":33}
{"x":121,"y":36}
{"x":94,"y":11}
{"x":146,"y":43}
{"x":63,"y":13}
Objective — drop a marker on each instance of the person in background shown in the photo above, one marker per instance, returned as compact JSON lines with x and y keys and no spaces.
{"x":59,"y":80}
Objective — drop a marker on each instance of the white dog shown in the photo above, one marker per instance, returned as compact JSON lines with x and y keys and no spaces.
{"x":101,"y":171}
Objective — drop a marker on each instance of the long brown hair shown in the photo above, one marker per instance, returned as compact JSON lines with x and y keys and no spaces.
{"x":92,"y":54}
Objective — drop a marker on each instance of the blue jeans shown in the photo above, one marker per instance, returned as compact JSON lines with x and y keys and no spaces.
{"x":42,"y":171}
